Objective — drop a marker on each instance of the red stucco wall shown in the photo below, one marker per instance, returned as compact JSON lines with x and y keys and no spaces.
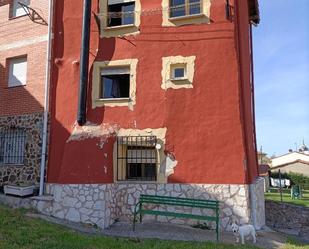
{"x":205,"y":125}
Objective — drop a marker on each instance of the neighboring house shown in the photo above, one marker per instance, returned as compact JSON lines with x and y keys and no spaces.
{"x":23,"y":45}
{"x":264,"y":173}
{"x":169,"y":108}
{"x":296,"y":162}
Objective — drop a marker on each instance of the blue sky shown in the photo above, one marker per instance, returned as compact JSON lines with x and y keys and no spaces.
{"x":281,"y":57}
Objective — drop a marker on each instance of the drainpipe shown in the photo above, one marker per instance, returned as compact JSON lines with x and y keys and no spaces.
{"x":84,"y":64}
{"x":46,"y":97}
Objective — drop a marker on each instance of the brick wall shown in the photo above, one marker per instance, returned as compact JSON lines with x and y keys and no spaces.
{"x":20,"y":36}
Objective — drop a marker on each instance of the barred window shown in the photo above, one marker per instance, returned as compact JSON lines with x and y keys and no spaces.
{"x":12,"y":146}
{"x":136,"y":158}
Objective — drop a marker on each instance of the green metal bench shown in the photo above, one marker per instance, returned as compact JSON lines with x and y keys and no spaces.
{"x":176,"y":201}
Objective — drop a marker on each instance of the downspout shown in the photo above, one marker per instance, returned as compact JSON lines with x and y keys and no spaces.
{"x":46,"y":96}
{"x":252,"y":200}
{"x":84,"y":64}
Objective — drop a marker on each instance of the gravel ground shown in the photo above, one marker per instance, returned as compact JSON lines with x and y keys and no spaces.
{"x":165,"y":231}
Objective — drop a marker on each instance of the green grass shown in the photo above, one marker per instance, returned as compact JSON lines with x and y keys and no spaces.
{"x":20,"y":232}
{"x":286,"y":197}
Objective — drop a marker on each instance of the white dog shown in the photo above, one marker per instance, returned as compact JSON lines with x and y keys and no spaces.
{"x":243,"y":231}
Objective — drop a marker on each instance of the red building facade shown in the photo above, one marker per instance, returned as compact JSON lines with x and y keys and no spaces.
{"x":169,"y":108}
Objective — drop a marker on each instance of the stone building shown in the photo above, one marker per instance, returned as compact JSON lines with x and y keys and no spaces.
{"x":165,"y":108}
{"x":23,"y":46}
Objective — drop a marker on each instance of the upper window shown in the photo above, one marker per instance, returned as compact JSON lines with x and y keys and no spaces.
{"x":17,"y":71}
{"x":137,"y":158}
{"x":179,"y":8}
{"x":12,"y":146}
{"x":115,"y":83}
{"x":179,"y":72}
{"x":120,"y":12}
{"x":17,"y":9}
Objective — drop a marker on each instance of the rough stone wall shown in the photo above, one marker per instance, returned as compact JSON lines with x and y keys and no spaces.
{"x":288,"y":218}
{"x":29,"y":172}
{"x":103,"y":204}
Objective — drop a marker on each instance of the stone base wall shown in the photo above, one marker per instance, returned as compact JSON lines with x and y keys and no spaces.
{"x":288,"y":218}
{"x":29,"y":172}
{"x":103,"y":204}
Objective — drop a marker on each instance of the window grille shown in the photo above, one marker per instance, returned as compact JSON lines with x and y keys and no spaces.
{"x":12,"y":146}
{"x":136,"y":158}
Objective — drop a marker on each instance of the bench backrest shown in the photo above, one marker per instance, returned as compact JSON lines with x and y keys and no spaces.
{"x":177,"y":201}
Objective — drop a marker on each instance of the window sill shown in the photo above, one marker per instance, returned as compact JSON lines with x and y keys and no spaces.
{"x":114,"y":100}
{"x":12,"y":87}
{"x":183,"y":81}
{"x":11,"y":18}
{"x":135,"y":182}
{"x":120,"y":27}
{"x":180,"y":18}
{"x":11,"y":165}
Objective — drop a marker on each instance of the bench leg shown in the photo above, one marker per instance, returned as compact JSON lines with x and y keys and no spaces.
{"x":134,"y":219}
{"x":140,"y":213}
{"x":217,"y":228}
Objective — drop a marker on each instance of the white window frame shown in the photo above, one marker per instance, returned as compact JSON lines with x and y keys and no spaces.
{"x":177,"y":66}
{"x":17,"y":76}
{"x":17,"y":9}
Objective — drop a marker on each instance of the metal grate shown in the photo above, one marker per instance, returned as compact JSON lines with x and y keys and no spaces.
{"x":12,"y":146}
{"x":136,"y":158}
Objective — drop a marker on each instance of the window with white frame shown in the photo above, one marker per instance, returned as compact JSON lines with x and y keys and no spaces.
{"x":178,"y":71}
{"x":12,"y":146}
{"x":180,"y":8}
{"x":115,"y":83}
{"x":120,"y":12}
{"x":17,"y":71}
{"x":17,"y":9}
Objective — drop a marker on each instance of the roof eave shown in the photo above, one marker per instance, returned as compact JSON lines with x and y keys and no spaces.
{"x":254,"y":12}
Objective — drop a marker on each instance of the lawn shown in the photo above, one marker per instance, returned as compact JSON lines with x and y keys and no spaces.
{"x":286,"y":197}
{"x":20,"y":232}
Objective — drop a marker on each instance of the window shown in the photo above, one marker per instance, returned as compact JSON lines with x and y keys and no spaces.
{"x":120,"y":12}
{"x":17,"y":9}
{"x":179,"y":8}
{"x":17,"y":71}
{"x":115,"y":83}
{"x":137,"y":158}
{"x":178,"y":72}
{"x":12,"y":146}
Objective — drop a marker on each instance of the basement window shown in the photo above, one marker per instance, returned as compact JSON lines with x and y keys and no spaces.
{"x":120,"y":12}
{"x":12,"y":146}
{"x":182,"y":8}
{"x":136,"y":158}
{"x":115,"y":83}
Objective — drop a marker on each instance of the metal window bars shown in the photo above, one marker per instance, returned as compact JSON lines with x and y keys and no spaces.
{"x":136,"y":158}
{"x":12,"y":146}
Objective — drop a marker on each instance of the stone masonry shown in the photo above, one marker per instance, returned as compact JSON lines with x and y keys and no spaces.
{"x":288,"y":218}
{"x":29,"y":172}
{"x":104,"y":204}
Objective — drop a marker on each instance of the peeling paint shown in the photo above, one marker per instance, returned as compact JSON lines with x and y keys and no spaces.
{"x":90,"y":130}
{"x":168,"y":165}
